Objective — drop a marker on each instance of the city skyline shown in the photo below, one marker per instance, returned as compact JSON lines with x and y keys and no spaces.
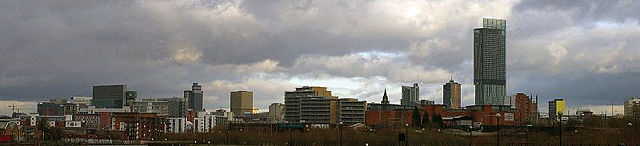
{"x":582,"y":56}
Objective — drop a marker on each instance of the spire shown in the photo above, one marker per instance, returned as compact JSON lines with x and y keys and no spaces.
{"x":385,"y":99}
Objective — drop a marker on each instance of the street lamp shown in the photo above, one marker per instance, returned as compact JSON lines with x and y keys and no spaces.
{"x":631,"y":128}
{"x":470,"y":134}
{"x":498,"y":127}
{"x":406,"y":133}
{"x":340,"y":127}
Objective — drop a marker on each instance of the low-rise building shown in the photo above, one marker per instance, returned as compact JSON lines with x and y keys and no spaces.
{"x":176,"y":125}
{"x":632,"y":108}
{"x":204,"y":122}
{"x":157,"y":106}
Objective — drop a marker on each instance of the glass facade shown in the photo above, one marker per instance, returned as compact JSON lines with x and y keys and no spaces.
{"x":490,"y":62}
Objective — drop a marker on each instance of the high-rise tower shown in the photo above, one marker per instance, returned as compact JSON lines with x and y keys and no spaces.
{"x":451,"y":95}
{"x":410,"y":95}
{"x":489,"y":63}
{"x":194,"y":97}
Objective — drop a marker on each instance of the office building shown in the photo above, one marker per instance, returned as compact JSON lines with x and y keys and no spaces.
{"x":352,"y":111}
{"x":556,"y":109}
{"x":632,"y":108}
{"x":276,"y":112}
{"x":241,"y":102}
{"x":310,"y":105}
{"x":109,"y":96}
{"x":489,"y":63}
{"x":410,"y":95}
{"x":157,"y":106}
{"x":451,"y":95}
{"x":177,"y":107}
{"x":194,"y":97}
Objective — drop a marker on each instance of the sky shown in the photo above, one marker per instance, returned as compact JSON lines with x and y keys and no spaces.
{"x":583,"y":51}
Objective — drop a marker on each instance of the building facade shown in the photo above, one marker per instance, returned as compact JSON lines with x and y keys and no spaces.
{"x":556,"y":109}
{"x":130,"y":97}
{"x":241,"y":102}
{"x":109,"y":96}
{"x":410,"y":95}
{"x":204,"y":122}
{"x":276,"y":112}
{"x":489,"y":62}
{"x":632,"y":108}
{"x":526,"y":109}
{"x":352,"y":111}
{"x":56,"y":107}
{"x":81,"y":101}
{"x":176,"y":125}
{"x":157,"y":106}
{"x":177,"y":107}
{"x":451,"y":95}
{"x":310,"y":104}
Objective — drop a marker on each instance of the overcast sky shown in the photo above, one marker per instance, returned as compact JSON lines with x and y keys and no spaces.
{"x":583,"y":51}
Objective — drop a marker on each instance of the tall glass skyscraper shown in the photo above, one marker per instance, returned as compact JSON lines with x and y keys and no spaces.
{"x":410,"y":95}
{"x":489,"y":63}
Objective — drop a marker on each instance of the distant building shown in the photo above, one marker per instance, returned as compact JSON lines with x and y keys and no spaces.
{"x":526,"y":109}
{"x":109,"y":96}
{"x":386,"y":106}
{"x":94,"y":110}
{"x":56,"y":107}
{"x":276,"y":112}
{"x":489,"y":63}
{"x":556,"y":109}
{"x":194,"y":97}
{"x":410,"y":95}
{"x":81,"y":101}
{"x":241,"y":102}
{"x":89,"y":121}
{"x":176,"y":125}
{"x":451,"y":95}
{"x":310,"y":105}
{"x":632,"y":108}
{"x":138,"y":125}
{"x":352,"y":111}
{"x":204,"y":122}
{"x":160,"y":107}
{"x":177,"y":107}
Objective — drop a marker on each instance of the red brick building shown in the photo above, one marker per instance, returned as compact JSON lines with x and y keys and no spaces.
{"x":139,"y":125}
{"x":526,"y":110}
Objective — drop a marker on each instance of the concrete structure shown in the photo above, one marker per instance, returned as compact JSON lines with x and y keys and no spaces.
{"x":276,"y":112}
{"x":109,"y":96}
{"x":204,"y":122}
{"x":526,"y":109}
{"x":352,"y":111}
{"x":81,"y":101}
{"x":241,"y":102}
{"x":410,"y":95}
{"x":426,"y":102}
{"x":310,"y":105}
{"x":177,"y":107}
{"x":556,"y":108}
{"x":451,"y":95}
{"x":194,"y":97}
{"x":223,"y":117}
{"x":632,"y":108}
{"x":176,"y":125}
{"x":160,"y":107}
{"x":489,"y":63}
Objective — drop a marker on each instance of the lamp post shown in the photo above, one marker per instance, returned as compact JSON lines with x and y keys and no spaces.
{"x":560,"y":127}
{"x":340,"y":128}
{"x":470,"y":134}
{"x":633,"y":131}
{"x":498,"y":127}
{"x":406,"y":133}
